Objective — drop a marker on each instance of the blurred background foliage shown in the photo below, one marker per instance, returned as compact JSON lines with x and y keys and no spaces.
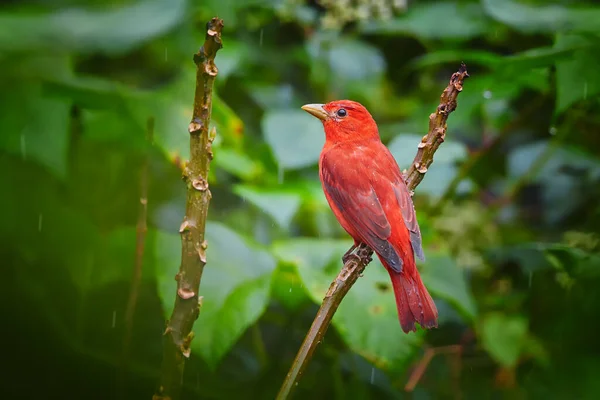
{"x":509,"y":210}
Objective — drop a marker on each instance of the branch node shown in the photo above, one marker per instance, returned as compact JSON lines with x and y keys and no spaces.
{"x":185,"y":293}
{"x":200,"y":184}
{"x":195,"y":127}
{"x":201,"y":252}
{"x":185,"y":226}
{"x":421,"y":168}
{"x":186,"y":345}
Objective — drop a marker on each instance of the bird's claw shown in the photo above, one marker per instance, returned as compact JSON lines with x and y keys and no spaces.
{"x":347,"y":255}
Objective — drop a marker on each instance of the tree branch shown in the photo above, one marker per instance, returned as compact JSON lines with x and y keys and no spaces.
{"x":355,"y":263}
{"x":178,"y":334}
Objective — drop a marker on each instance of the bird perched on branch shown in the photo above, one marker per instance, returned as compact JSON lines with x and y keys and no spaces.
{"x":367,"y":193}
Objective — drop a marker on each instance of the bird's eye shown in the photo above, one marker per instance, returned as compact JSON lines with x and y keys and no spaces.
{"x":341,"y":113}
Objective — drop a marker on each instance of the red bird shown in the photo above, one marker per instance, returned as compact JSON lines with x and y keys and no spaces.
{"x":368,"y":195}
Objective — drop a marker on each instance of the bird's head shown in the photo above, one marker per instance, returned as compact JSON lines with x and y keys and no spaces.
{"x":344,"y":120}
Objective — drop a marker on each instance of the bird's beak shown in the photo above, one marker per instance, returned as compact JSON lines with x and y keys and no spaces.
{"x":317,"y":110}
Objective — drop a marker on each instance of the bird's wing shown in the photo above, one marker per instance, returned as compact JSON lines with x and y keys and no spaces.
{"x":355,"y":198}
{"x":409,"y":216}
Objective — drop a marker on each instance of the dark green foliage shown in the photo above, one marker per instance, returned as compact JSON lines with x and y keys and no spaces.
{"x":509,"y":210}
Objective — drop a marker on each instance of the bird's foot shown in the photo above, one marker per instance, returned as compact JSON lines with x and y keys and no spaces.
{"x":348,"y":254}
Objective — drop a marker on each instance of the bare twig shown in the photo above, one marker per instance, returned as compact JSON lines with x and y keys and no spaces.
{"x":355,"y":264}
{"x":423,"y":363}
{"x":178,"y":334}
{"x":141,"y":230}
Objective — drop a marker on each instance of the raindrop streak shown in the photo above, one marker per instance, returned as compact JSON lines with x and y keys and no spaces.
{"x":585,"y":90}
{"x":166,"y":54}
{"x":40,"y":217}
{"x":290,"y":290}
{"x":114,"y":320}
{"x":530,"y":277}
{"x":23,"y":147}
{"x":260,"y":41}
{"x":372,"y":375}
{"x":280,"y":174}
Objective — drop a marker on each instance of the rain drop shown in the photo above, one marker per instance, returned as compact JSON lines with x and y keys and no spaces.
{"x":530,"y":277}
{"x":552,"y":130}
{"x":114,"y":318}
{"x":487,"y":94}
{"x":260,"y":41}
{"x":372,"y":375}
{"x":290,"y":290}
{"x":166,"y":54}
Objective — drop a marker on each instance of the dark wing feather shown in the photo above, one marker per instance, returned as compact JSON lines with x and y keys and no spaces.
{"x":361,"y":208}
{"x":410,"y":218}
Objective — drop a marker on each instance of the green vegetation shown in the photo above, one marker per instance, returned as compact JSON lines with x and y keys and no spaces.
{"x":509,"y":210}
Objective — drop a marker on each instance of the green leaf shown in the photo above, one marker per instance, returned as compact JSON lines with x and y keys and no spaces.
{"x":504,"y":337}
{"x":287,"y":287}
{"x":238,"y":163}
{"x":543,"y":18}
{"x":443,"y":169}
{"x":34,"y":126}
{"x":577,"y":76}
{"x":367,"y":318}
{"x":235,"y":287}
{"x":445,"y":279}
{"x":354,"y":60}
{"x":280,"y":205}
{"x":438,"y":20}
{"x":295,"y":137}
{"x":562,"y":194}
{"x":109,"y":31}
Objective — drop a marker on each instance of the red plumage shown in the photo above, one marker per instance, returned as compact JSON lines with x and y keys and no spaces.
{"x":367,"y":193}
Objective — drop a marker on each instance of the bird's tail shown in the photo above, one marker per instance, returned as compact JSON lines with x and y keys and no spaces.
{"x":413,"y":301}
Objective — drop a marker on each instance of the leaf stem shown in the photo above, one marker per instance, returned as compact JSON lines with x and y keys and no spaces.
{"x":356,"y":263}
{"x":178,"y":333}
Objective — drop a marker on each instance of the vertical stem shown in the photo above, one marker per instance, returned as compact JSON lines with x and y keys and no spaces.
{"x":141,"y":231}
{"x":178,"y":334}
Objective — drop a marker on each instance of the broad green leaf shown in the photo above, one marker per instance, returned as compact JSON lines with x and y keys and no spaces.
{"x":90,"y":30}
{"x":353,"y":60}
{"x":295,"y":137}
{"x":287,"y":287}
{"x":503,"y":337}
{"x":238,"y":163}
{"x":443,"y":169}
{"x":367,"y":318}
{"x":547,"y":18}
{"x":577,"y":76}
{"x":447,"y":280}
{"x":280,"y":205}
{"x":171,"y":107}
{"x":561,"y":192}
{"x":460,"y":21}
{"x":35,"y":127}
{"x":235,"y":287}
